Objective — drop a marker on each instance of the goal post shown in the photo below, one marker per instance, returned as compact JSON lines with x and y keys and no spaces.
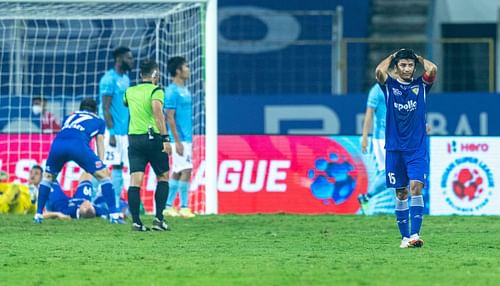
{"x":59,"y":50}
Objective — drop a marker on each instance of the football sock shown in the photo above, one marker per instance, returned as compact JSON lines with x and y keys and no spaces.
{"x":416,"y":213}
{"x":172,"y":192}
{"x":161,"y":195}
{"x":117,"y":179}
{"x":183,"y":189}
{"x":108,"y":193}
{"x":134,"y":203}
{"x":43,"y":195}
{"x":402,"y":216}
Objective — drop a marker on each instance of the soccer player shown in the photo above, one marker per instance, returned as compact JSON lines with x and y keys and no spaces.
{"x":148,"y":143}
{"x":375,"y":113}
{"x":111,"y":90}
{"x":406,"y":137}
{"x":72,"y":143}
{"x":79,"y":206}
{"x":178,"y":103}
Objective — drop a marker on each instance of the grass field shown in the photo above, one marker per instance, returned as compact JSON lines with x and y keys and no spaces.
{"x":250,"y":250}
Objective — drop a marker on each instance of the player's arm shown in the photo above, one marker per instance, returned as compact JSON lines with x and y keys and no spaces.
{"x":366,"y":128}
{"x":106,"y":108}
{"x":58,"y":215}
{"x":179,"y":148}
{"x":430,"y":70}
{"x":160,"y":123}
{"x":100,"y":146}
{"x":382,"y":69}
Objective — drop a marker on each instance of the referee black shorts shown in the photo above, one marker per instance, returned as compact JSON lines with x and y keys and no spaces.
{"x":142,"y":150}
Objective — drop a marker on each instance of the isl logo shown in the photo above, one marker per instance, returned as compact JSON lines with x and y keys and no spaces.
{"x":467,"y":184}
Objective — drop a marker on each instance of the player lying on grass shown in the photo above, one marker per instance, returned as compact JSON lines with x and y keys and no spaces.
{"x":407,"y":160}
{"x":60,"y":206}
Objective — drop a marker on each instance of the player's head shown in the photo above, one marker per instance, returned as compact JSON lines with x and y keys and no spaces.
{"x":88,"y":104}
{"x":123,"y":58}
{"x":35,"y":175}
{"x":37,"y":105}
{"x":150,"y":71}
{"x":87,"y":210}
{"x":178,"y":67}
{"x":405,"y":62}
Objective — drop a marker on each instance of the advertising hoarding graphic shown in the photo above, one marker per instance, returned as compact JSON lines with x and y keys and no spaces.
{"x":464,"y":174}
{"x":257,"y":174}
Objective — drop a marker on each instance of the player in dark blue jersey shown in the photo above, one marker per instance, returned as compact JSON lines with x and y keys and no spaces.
{"x":79,"y":206}
{"x":406,"y":137}
{"x":72,"y":144}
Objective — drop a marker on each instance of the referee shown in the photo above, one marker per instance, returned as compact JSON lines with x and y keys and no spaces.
{"x":148,"y":143}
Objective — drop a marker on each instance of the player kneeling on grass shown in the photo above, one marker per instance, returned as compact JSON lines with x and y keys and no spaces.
{"x":407,"y":159}
{"x":72,"y":143}
{"x":60,"y":206}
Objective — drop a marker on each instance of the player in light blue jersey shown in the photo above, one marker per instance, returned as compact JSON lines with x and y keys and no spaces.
{"x":111,"y":90}
{"x":178,"y":103}
{"x":72,"y":144}
{"x":406,"y":137}
{"x":375,"y":115}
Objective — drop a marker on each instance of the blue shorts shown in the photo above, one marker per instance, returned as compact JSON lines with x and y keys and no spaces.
{"x":401,"y":167}
{"x":64,"y":150}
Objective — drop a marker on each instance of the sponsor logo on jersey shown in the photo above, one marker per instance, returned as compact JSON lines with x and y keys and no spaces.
{"x":397,"y":92}
{"x":415,"y":89}
{"x":408,"y":107}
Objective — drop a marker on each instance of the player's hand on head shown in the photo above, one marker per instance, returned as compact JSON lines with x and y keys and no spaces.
{"x":179,"y":148}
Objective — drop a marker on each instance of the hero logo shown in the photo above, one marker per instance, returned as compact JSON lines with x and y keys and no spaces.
{"x":467,"y":185}
{"x":408,"y":107}
{"x":396,"y":91}
{"x":453,"y":147}
{"x":249,"y":176}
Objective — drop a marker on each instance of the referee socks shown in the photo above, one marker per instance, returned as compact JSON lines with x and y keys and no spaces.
{"x":134,"y":203}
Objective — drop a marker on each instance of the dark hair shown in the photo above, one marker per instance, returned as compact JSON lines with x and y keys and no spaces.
{"x":174,"y":64}
{"x":404,"y":54}
{"x":88,"y":104}
{"x":38,"y":167}
{"x":38,"y":98}
{"x":120,"y":51}
{"x":147,"y":67}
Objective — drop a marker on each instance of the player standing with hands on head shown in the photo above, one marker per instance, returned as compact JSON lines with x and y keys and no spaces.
{"x":148,"y":143}
{"x":178,"y":103}
{"x":406,"y":137}
{"x":111,"y":90}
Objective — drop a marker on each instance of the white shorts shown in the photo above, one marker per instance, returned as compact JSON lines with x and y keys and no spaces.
{"x":184,"y":162}
{"x":116,"y":155}
{"x":379,"y":153}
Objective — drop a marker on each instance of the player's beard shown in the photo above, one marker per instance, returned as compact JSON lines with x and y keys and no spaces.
{"x":125,"y":67}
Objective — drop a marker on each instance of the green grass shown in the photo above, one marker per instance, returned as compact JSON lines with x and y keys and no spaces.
{"x":250,"y":250}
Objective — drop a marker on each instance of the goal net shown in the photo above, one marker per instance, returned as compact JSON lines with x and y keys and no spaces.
{"x":59,"y":51}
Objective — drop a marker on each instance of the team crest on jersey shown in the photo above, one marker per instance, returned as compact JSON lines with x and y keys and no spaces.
{"x":397,"y":91}
{"x":98,"y":164}
{"x":415,"y":89}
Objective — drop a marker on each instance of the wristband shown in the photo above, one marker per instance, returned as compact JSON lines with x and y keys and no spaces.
{"x":165,"y":138}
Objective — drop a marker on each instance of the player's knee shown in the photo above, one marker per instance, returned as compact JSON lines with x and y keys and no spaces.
{"x":402,"y":194}
{"x":102,"y":174}
{"x":416,"y":188}
{"x":163,"y":177}
{"x":136,"y":179}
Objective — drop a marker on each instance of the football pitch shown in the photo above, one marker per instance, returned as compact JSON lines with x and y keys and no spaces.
{"x":250,"y":250}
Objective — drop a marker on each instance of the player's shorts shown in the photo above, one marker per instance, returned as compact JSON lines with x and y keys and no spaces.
{"x":405,"y":166}
{"x":142,"y":151}
{"x":117,"y":155}
{"x":378,"y":147}
{"x":184,"y":162}
{"x":64,"y":150}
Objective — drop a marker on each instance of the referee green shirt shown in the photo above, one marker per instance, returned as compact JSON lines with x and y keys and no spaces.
{"x":139,"y":100}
